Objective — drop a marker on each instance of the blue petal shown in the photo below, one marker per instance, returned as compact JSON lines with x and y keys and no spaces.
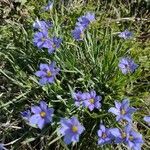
{"x":99,"y":132}
{"x":147,"y":119}
{"x":74,"y":121}
{"x":118,"y":118}
{"x":51,"y":50}
{"x":90,"y":16}
{"x":130,"y":144}
{"x":100,"y":141}
{"x":2,"y":147}
{"x":131,"y":110}
{"x":102,"y":127}
{"x":43,"y":81}
{"x":80,"y":129}
{"x":43,"y":105}
{"x":26,"y":115}
{"x":127,"y":117}
{"x":117,"y":105}
{"x":36,"y":109}
{"x":44,"y":67}
{"x":41,"y":123}
{"x":75,"y":138}
{"x":67,"y":139}
{"x":52,"y":65}
{"x":34,"y":119}
{"x":93,"y":93}
{"x":39,"y":44}
{"x":91,"y":107}
{"x":50,"y":80}
{"x":115,"y":132}
{"x":125,"y":103}
{"x":98,"y":98}
{"x":97,"y":105}
{"x":49,"y":114}
{"x":40,"y":73}
{"x":124,"y":71}
{"x":114,"y":111}
{"x":65,"y":122}
{"x":137,"y":147}
{"x":127,"y":128}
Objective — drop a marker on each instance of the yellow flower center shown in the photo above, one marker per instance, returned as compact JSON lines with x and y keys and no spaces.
{"x":43,"y":39}
{"x":123,"y":111}
{"x":81,"y":35}
{"x":123,"y":135}
{"x":91,"y":100}
{"x":42,"y":114}
{"x":49,"y":73}
{"x":104,"y":135}
{"x":131,"y":138}
{"x":54,"y":45}
{"x":74,"y":128}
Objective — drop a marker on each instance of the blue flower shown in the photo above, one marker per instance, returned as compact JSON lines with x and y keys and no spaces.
{"x":127,"y":65}
{"x":85,"y":20}
{"x":55,"y":43}
{"x":26,"y":115}
{"x":78,"y":33}
{"x":126,"y":34}
{"x":42,"y":115}
{"x":90,"y":16}
{"x":49,"y":6}
{"x":134,"y":140}
{"x":81,"y":25}
{"x":122,"y":110}
{"x":147,"y":119}
{"x":117,"y":135}
{"x":41,"y":40}
{"x":92,"y":100}
{"x":78,"y":97}
{"x":42,"y":25}
{"x":71,"y":129}
{"x":127,"y":136}
{"x":104,"y":136}
{"x":47,"y":73}
{"x":2,"y":147}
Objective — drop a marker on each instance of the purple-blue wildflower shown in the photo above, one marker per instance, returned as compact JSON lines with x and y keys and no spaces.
{"x":26,"y":115}
{"x":42,"y":25}
{"x":127,"y":65}
{"x":42,"y":115}
{"x":55,"y":43}
{"x":147,"y":119}
{"x":128,"y":136}
{"x":47,"y":73}
{"x":90,"y":16}
{"x":92,"y":100}
{"x":71,"y":129}
{"x":125,"y":34}
{"x":134,"y":140}
{"x":117,"y":135}
{"x":81,"y":25}
{"x":49,"y":6}
{"x":78,"y":33}
{"x":85,"y":20}
{"x":78,"y":97}
{"x":41,"y":39}
{"x":122,"y":110}
{"x":104,"y":136}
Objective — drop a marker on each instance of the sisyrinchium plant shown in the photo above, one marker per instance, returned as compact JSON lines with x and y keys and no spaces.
{"x":72,"y":69}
